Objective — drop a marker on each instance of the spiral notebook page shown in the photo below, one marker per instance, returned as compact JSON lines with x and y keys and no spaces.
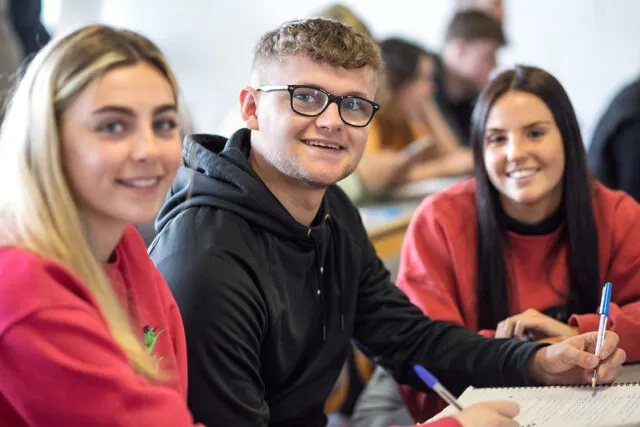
{"x":610,"y":406}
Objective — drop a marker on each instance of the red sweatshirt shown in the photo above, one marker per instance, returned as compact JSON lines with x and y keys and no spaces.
{"x":438,"y":269}
{"x":59,"y":364}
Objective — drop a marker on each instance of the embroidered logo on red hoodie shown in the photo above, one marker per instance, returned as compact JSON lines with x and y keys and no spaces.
{"x":151,"y":337}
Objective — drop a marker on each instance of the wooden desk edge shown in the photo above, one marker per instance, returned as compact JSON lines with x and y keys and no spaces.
{"x":389,"y":228}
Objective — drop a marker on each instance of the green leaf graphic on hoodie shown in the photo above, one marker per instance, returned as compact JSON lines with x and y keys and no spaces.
{"x":150,"y":338}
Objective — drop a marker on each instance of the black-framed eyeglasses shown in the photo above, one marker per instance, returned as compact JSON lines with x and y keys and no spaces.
{"x":312,"y":101}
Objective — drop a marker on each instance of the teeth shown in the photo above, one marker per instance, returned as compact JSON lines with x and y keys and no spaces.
{"x":320,"y":144}
{"x":522,"y":173}
{"x":142,"y":183}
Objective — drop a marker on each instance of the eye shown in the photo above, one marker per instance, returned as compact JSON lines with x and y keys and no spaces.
{"x":112,"y":127}
{"x":535,"y":133}
{"x":353,"y":104}
{"x":494,"y":139}
{"x":165,"y":125}
{"x":306,"y":97}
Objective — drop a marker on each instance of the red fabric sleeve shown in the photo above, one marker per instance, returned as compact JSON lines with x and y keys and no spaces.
{"x":624,"y":274}
{"x":68,"y":355}
{"x":426,"y":273}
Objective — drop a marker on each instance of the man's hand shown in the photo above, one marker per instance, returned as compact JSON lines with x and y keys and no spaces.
{"x":572,"y":361}
{"x":489,"y":414}
{"x":534,"y":326}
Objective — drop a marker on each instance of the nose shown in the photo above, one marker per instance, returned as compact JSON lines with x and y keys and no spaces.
{"x":516,"y":149}
{"x":330,"y":118}
{"x":145,"y":145}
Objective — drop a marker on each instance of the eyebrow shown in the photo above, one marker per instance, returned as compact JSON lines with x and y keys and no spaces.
{"x":352,"y":93}
{"x":530,"y":125}
{"x":129,"y":112}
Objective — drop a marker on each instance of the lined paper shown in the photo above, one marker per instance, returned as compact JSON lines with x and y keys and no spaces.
{"x":609,"y":406}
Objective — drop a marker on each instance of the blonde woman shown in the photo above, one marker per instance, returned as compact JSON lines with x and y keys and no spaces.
{"x":89,"y":332}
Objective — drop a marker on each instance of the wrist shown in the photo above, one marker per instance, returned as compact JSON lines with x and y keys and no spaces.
{"x":536,"y":373}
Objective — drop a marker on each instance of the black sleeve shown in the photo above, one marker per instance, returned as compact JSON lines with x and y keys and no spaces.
{"x":397,"y":335}
{"x":626,"y":158}
{"x":224,"y":320}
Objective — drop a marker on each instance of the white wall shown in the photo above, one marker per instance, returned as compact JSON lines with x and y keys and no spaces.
{"x":591,"y":46}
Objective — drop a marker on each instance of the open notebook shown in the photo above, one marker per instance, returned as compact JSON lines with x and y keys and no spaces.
{"x":616,"y":405}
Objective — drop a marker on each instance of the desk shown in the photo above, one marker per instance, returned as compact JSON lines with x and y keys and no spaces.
{"x":386,"y":226}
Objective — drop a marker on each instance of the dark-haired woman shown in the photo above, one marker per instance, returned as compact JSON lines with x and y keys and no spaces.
{"x":409,"y":112}
{"x":523,"y":249}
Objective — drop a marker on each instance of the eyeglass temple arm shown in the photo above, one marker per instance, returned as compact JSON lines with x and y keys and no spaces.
{"x":271,"y":88}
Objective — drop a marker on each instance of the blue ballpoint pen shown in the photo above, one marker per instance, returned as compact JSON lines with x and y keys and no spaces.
{"x":435,"y":385}
{"x":604,"y":315}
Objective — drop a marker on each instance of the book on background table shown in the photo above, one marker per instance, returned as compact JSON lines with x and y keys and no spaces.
{"x":610,"y":405}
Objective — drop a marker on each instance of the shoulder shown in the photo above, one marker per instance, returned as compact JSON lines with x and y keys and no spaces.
{"x":345,"y":214}
{"x":624,"y":106}
{"x":452,"y":207}
{"x":614,"y":208}
{"x":132,"y":246}
{"x":29,"y":283}
{"x":628,"y":94}
{"x":207,"y":256}
{"x":135,"y":264}
{"x":201,"y":230}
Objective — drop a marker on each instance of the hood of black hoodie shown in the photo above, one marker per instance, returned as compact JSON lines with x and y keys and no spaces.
{"x":216,"y":173}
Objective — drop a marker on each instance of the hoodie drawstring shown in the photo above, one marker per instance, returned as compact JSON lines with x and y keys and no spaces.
{"x":319,"y":291}
{"x":321,"y":252}
{"x":339,"y":282}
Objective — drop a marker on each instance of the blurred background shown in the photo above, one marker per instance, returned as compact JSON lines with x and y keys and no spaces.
{"x":591,"y":46}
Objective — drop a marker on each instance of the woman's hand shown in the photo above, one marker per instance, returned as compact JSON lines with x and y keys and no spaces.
{"x":532,"y":325}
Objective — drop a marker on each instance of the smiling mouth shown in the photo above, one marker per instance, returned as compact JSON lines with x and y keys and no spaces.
{"x":522,"y":173}
{"x":319,"y":144}
{"x":139,"y":183}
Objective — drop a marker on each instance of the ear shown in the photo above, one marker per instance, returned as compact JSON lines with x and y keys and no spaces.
{"x":249,"y":107}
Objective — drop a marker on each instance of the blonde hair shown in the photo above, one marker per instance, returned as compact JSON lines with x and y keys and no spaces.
{"x":341,"y":13}
{"x":321,"y":40}
{"x":37,"y":207}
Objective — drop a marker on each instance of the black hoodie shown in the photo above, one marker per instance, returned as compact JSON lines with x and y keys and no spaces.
{"x":270,"y":305}
{"x":614,"y":152}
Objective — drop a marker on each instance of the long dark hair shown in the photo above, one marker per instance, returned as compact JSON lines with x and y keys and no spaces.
{"x":579,"y":229}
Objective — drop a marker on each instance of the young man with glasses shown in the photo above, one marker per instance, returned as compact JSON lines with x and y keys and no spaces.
{"x":272,"y":268}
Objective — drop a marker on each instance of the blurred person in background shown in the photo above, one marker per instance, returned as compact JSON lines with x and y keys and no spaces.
{"x":462,"y":69}
{"x":493,"y":8}
{"x":410,"y":114}
{"x":614,"y":153}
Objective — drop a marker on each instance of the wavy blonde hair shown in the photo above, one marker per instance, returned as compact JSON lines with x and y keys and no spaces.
{"x":37,"y":208}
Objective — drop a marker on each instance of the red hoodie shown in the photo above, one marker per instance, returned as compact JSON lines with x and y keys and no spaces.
{"x":59,"y":364}
{"x":438,"y":269}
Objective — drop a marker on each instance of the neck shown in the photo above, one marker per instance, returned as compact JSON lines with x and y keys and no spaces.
{"x":103,"y":236}
{"x":533,"y":213}
{"x":300,"y":200}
